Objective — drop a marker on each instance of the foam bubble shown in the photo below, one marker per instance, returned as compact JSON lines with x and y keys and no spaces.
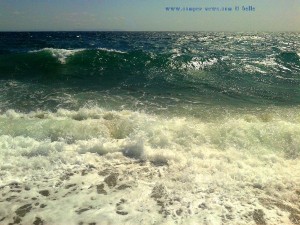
{"x":130,"y":167}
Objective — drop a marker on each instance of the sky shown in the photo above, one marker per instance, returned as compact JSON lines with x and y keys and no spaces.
{"x":148,"y":15}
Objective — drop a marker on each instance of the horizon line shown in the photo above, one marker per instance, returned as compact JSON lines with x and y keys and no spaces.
{"x":16,"y":31}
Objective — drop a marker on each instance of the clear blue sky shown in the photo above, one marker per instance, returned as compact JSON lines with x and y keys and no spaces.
{"x":147,"y":15}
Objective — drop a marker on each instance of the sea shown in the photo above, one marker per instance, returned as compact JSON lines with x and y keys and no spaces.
{"x":140,"y":128}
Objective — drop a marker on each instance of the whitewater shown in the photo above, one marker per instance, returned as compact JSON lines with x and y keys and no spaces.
{"x":149,"y":128}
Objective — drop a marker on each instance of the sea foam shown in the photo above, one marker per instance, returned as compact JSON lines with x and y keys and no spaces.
{"x":93,"y":163}
{"x":60,"y":54}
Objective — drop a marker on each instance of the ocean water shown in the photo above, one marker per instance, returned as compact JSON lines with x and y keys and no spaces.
{"x":149,"y":128}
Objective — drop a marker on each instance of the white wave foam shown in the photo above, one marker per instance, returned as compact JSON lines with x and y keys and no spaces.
{"x":60,"y":54}
{"x":184,"y":170}
{"x":198,"y":64}
{"x":248,"y":133}
{"x":254,"y":69}
{"x":270,"y":61}
{"x":111,"y":50}
{"x":250,"y":37}
{"x":63,"y":54}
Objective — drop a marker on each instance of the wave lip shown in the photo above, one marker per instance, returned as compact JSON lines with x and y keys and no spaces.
{"x":60,"y":54}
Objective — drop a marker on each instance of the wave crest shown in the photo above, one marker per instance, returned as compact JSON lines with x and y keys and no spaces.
{"x":60,"y":54}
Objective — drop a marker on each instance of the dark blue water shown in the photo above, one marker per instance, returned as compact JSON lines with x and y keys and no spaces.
{"x":148,"y":70}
